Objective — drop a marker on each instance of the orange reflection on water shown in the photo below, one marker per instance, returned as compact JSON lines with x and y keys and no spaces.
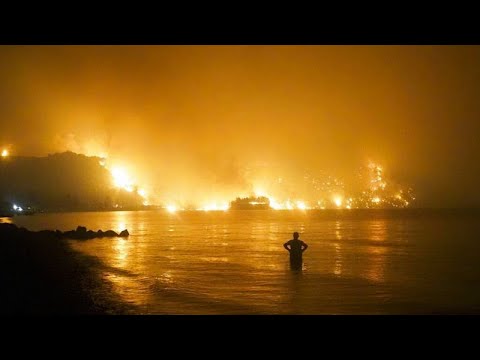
{"x":124,"y":271}
{"x":377,"y":230}
{"x":338,"y":227}
{"x":215,"y":259}
{"x":377,"y":254}
{"x":337,"y":269}
{"x":166,"y":277}
{"x":121,"y":218}
{"x":121,"y":249}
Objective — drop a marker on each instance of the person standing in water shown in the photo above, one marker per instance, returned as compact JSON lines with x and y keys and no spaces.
{"x":296,"y":248}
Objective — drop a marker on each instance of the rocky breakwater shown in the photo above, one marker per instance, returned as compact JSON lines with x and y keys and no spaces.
{"x":81,"y":233}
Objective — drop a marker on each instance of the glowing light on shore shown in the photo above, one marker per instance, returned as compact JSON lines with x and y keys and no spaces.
{"x":301,"y":205}
{"x":121,"y":178}
{"x":288,"y":205}
{"x":5,"y":153}
{"x":171,"y":208}
{"x":274,"y":204}
{"x":338,"y":200}
{"x":224,"y":207}
{"x":260,"y":193}
{"x":328,"y":193}
{"x":215,"y":207}
{"x":376,"y":192}
{"x":324,"y":192}
{"x":209,"y":207}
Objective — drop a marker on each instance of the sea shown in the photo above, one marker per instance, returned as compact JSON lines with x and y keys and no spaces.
{"x":409,"y":261}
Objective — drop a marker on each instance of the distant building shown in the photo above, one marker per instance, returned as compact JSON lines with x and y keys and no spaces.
{"x":251,"y":203}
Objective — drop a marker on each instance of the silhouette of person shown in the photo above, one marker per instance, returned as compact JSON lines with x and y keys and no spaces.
{"x":296,"y":248}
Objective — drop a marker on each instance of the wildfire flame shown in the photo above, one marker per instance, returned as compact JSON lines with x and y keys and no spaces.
{"x":171,"y":208}
{"x":332,"y":193}
{"x":121,"y":178}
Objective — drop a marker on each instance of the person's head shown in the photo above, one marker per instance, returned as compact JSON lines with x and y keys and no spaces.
{"x":296,"y":235}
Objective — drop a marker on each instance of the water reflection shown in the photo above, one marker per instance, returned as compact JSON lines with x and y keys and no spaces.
{"x":337,"y":269}
{"x":338,"y":228}
{"x":200,"y":263}
{"x":299,"y":292}
{"x":377,"y":254}
{"x":214,"y":259}
{"x":256,"y":242}
{"x":121,"y":220}
{"x":377,"y":230}
{"x":121,"y":248}
{"x":296,"y":266}
{"x":166,"y":277}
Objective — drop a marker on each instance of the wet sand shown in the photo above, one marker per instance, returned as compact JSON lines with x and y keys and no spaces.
{"x":40,"y":274}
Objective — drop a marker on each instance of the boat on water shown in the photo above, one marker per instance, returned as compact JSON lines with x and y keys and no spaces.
{"x":251,"y":203}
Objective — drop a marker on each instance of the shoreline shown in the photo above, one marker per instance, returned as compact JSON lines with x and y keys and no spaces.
{"x":42,"y":275}
{"x":329,"y":210}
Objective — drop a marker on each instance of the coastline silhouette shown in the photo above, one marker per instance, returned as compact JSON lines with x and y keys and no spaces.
{"x":296,"y":247}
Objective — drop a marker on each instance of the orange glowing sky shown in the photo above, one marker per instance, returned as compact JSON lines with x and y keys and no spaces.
{"x":187,"y":119}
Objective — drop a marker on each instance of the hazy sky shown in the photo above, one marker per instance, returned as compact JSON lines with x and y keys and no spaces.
{"x":182,"y":115}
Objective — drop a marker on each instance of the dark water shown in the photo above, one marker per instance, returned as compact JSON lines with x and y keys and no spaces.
{"x":358,"y":262}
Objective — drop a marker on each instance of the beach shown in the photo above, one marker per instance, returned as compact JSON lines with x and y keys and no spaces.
{"x":416,"y":261}
{"x":42,"y":275}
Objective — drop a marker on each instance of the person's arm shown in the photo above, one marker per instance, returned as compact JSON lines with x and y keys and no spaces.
{"x":286,"y":246}
{"x":304,"y":246}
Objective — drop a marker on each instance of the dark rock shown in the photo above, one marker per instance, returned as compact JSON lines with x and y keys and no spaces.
{"x":6,"y":227}
{"x":70,"y":234}
{"x":80,"y":233}
{"x":81,"y":229}
{"x":110,"y":233}
{"x":46,"y":233}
